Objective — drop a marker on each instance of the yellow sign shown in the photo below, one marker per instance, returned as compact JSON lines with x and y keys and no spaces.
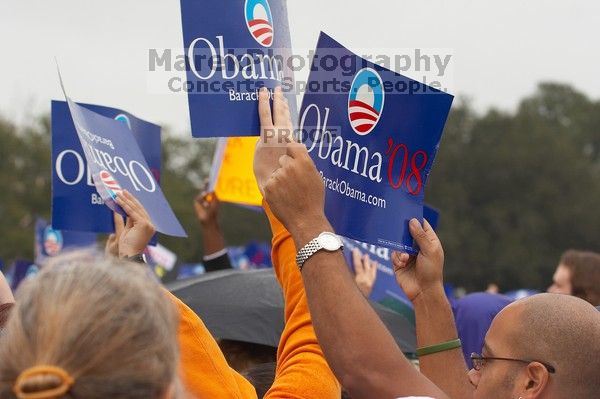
{"x":235,"y":180}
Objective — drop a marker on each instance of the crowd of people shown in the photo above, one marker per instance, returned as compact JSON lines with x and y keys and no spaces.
{"x":90,"y":326}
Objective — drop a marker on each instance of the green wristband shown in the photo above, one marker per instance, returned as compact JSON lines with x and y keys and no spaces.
{"x":444,"y":346}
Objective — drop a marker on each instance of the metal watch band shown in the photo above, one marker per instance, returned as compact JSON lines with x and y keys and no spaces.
{"x":307,"y":251}
{"x":139,"y":258}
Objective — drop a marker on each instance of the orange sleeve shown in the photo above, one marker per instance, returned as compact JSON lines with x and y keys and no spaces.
{"x":203,"y":368}
{"x":302,"y":371}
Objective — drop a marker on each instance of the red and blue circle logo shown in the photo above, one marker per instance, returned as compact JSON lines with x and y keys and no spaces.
{"x":259,"y":21}
{"x":53,"y":241}
{"x":365,"y":101}
{"x":111,"y":184}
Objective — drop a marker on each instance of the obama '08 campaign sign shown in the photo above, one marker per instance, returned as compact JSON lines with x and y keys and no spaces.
{"x":116,"y":163}
{"x":76,"y":205}
{"x":373,"y":135}
{"x":232,"y":49}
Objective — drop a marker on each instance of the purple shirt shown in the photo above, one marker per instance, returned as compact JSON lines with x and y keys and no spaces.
{"x":473,"y":315}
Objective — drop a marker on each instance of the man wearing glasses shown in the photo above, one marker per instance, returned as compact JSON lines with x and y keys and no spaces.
{"x":546,"y":346}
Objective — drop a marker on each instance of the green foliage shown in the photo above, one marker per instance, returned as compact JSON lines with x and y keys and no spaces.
{"x":514,"y":189}
{"x":25,"y":177}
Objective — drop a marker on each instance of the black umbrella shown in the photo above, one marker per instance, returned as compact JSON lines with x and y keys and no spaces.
{"x":248,"y":306}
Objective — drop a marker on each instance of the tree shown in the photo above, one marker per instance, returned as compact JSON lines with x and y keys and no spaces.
{"x":25,"y":174}
{"x":517,"y":190}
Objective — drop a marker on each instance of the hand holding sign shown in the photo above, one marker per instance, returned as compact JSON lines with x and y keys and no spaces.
{"x":130,"y":238}
{"x":138,"y":230}
{"x":422,"y":273}
{"x":275,"y":131}
{"x":206,"y":206}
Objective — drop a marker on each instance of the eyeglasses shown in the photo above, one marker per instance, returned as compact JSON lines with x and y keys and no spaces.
{"x":479,"y":361}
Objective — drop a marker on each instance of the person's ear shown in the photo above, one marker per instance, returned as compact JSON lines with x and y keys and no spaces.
{"x":534,"y":381}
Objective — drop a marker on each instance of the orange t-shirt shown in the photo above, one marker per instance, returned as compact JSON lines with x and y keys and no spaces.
{"x":302,"y":371}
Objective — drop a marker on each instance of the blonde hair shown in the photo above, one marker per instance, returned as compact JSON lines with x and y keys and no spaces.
{"x":104,"y":322}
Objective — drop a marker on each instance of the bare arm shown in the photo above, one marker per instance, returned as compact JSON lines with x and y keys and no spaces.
{"x":421,"y":280}
{"x":435,"y":324}
{"x":207,"y":206}
{"x":302,"y":371}
{"x":357,"y":346}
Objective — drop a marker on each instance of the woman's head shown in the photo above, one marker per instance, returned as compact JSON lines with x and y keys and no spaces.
{"x":105,"y":324}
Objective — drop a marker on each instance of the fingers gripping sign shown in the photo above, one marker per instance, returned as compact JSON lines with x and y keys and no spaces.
{"x":137,"y":231}
{"x":420,"y":273}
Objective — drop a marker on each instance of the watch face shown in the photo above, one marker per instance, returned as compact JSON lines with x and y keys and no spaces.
{"x":330,"y":242}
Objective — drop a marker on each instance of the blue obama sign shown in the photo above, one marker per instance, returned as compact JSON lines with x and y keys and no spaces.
{"x":116,"y":163}
{"x":233,"y":48}
{"x":373,"y":135}
{"x":51,"y":242}
{"x":76,"y":204}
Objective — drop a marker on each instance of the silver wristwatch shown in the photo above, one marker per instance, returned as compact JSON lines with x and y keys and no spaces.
{"x":327,"y":241}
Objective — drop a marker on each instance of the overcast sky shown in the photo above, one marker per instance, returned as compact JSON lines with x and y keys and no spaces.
{"x":500,"y":50}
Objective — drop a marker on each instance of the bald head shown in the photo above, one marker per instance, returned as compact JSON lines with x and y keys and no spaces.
{"x":563,"y":331}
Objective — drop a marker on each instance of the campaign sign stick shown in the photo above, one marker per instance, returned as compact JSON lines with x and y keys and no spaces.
{"x":51,"y":242}
{"x":232,"y":49}
{"x":76,"y":204}
{"x":116,"y":163}
{"x":373,"y":135}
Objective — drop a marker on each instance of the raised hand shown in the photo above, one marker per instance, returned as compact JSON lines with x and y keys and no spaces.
{"x":365,"y":272}
{"x":139,"y":228}
{"x":276,"y":130}
{"x":296,"y":194}
{"x":417,"y":275}
{"x":207,"y":207}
